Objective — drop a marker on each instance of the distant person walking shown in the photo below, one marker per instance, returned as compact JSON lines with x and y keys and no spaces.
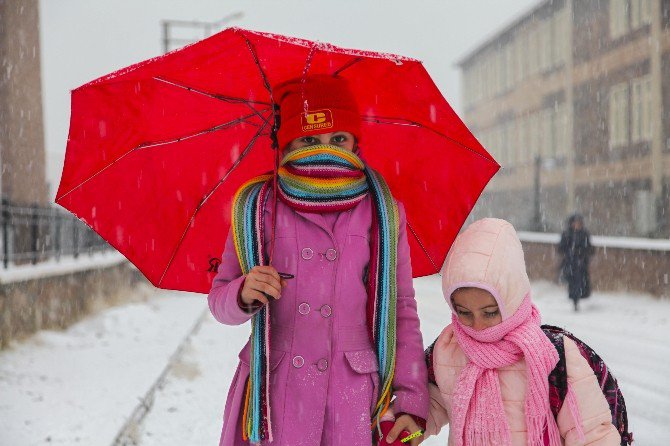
{"x":576,"y":248}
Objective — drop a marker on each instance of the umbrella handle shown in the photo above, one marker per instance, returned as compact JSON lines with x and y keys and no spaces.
{"x":275,"y":146}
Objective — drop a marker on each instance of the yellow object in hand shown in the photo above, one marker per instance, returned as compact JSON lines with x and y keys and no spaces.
{"x":412,"y":436}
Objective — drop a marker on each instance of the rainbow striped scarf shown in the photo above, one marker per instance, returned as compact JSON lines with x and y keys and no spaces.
{"x":321,"y":178}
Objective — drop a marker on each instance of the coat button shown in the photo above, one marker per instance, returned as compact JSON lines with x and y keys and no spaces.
{"x":307,"y":253}
{"x":326,"y":311}
{"x":322,"y":365}
{"x":303,"y":308}
{"x":331,"y":254}
{"x":298,"y":361}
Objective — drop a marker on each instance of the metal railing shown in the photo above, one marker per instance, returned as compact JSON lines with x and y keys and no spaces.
{"x":32,"y":234}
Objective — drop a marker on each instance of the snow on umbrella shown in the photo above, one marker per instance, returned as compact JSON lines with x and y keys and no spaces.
{"x":157,"y":150}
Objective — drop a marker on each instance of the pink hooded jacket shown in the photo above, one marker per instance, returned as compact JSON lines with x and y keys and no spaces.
{"x":488,"y":255}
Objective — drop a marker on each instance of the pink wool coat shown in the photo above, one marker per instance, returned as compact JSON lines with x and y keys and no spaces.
{"x":488,"y":255}
{"x":323,"y":367}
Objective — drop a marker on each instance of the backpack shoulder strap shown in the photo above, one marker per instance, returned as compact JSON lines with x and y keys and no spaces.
{"x":558,"y":384}
{"x":558,"y":378}
{"x":428,"y":355}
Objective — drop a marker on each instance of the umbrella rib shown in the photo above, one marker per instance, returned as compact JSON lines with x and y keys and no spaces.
{"x":202,"y":132}
{"x":244,"y":153}
{"x":390,"y":121}
{"x":154,"y":144}
{"x":406,"y":122}
{"x":423,"y":248}
{"x":266,"y":83}
{"x":220,"y":97}
{"x":259,"y":113}
{"x":347,"y":65}
{"x":209,"y":194}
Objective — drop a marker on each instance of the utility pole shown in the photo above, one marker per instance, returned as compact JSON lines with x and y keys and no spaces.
{"x":206,"y":29}
{"x":570,"y":108}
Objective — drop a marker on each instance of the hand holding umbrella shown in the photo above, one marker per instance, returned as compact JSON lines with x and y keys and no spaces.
{"x":262,"y":284}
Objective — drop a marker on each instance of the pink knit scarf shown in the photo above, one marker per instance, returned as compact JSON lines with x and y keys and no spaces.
{"x":478,"y":413}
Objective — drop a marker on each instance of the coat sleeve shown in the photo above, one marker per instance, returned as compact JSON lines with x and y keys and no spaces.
{"x":438,"y":416}
{"x":593,"y":408}
{"x":223,"y":296}
{"x":563,"y":244}
{"x":410,"y":382}
{"x":590,"y":249}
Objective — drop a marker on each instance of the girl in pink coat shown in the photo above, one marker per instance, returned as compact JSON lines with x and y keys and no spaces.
{"x":491,"y":365}
{"x":335,"y":332}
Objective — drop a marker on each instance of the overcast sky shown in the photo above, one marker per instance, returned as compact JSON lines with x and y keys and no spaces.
{"x":84,"y":39}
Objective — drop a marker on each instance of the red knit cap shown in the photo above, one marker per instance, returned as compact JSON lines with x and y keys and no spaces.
{"x":320,"y":104}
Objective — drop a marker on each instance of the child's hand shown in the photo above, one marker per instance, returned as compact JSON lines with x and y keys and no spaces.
{"x":261,"y":283}
{"x":404,"y":423}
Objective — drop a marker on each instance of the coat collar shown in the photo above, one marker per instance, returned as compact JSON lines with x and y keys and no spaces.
{"x":318,"y":219}
{"x":315,"y":218}
{"x":341,"y":224}
{"x":341,"y":228}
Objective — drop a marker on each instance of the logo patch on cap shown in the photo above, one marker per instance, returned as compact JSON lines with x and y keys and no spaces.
{"x":316,"y":120}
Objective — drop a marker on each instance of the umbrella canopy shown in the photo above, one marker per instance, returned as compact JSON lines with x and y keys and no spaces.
{"x":157,"y":150}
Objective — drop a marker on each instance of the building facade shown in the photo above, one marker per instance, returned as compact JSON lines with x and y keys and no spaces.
{"x":573,"y":100}
{"x":23,"y":186}
{"x":22,"y":177}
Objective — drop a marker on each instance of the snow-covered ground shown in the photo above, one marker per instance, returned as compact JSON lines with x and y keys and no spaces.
{"x":81,"y":385}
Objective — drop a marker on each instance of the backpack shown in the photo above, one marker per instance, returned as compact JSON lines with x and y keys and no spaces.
{"x":558,"y":381}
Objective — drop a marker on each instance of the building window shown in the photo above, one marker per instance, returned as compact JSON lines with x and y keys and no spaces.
{"x":618,"y":115}
{"x":511,"y":138}
{"x":465,"y":91}
{"x":473,"y":84}
{"x":628,"y":15}
{"x":496,"y":140}
{"x":554,"y":132}
{"x":641,"y":109}
{"x":478,"y":83}
{"x":484,"y":138}
{"x":545,"y":44}
{"x":486,"y":78}
{"x":522,"y":139}
{"x":509,"y":66}
{"x":499,"y":142}
{"x":640,"y":13}
{"x":618,"y":18}
{"x":534,"y":134}
{"x":521,"y":42}
{"x":547,"y":140}
{"x":499,"y":72}
{"x":561,"y":136}
{"x":559,"y":37}
{"x":533,"y":54}
{"x":507,"y":144}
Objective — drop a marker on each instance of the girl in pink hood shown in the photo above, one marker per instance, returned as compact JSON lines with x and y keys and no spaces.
{"x":490,"y":366}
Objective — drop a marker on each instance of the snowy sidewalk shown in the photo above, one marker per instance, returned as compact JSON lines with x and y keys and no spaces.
{"x":80,"y":386}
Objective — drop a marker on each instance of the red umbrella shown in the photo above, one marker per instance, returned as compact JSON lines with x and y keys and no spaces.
{"x":157,"y":150}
